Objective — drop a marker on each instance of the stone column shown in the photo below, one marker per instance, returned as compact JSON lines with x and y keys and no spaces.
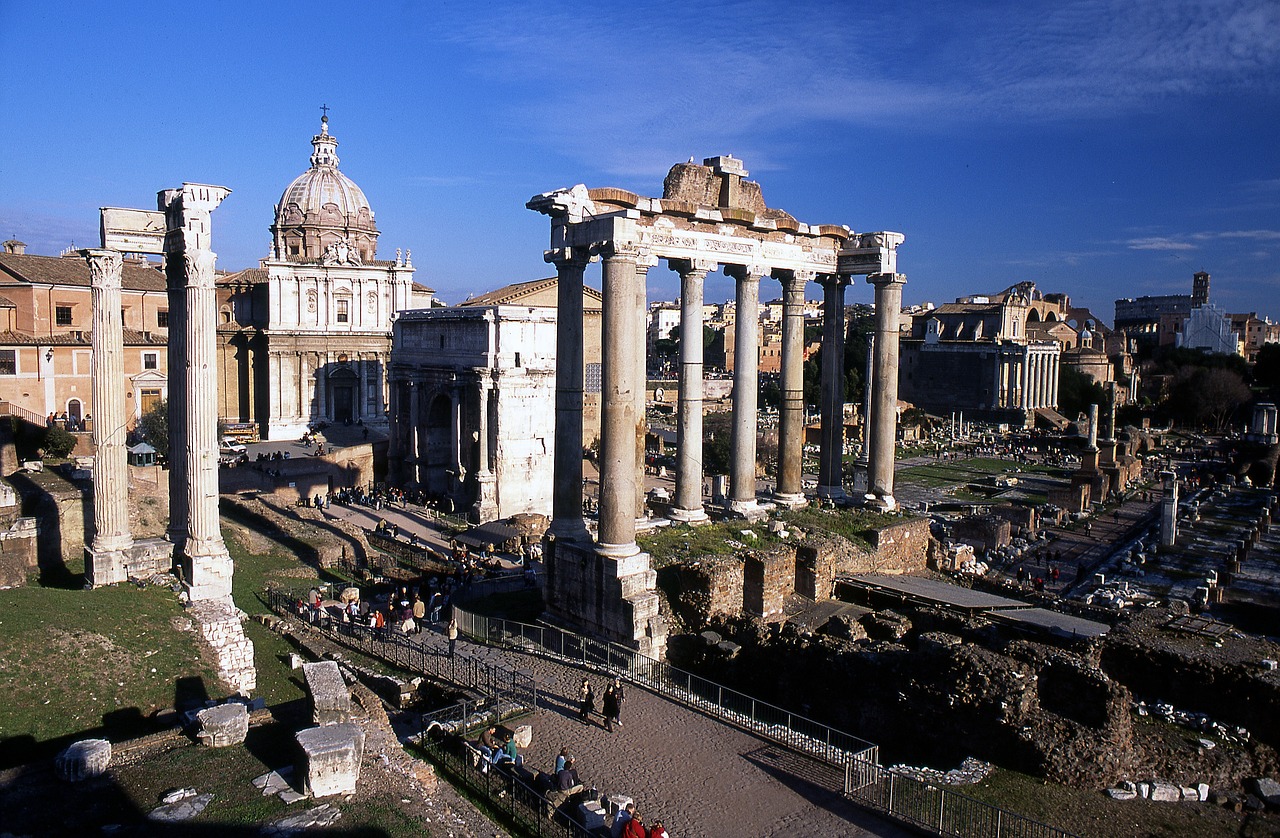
{"x":790,"y":489}
{"x":862,"y":468}
{"x":688,"y":505}
{"x":885,"y":390}
{"x":831,"y":457}
{"x":1093,"y":427}
{"x":1169,"y":510}
{"x":321,"y":390}
{"x":1109,"y":430}
{"x":486,"y":506}
{"x":1026,"y":378}
{"x":643,"y":263}
{"x":395,"y":432}
{"x":746,"y":340}
{"x":413,"y":439}
{"x":566,"y":502}
{"x":206,"y":564}
{"x":460,"y":462}
{"x":105,"y":560}
{"x":1055,"y":381}
{"x":617,"y":528}
{"x":176,"y":407}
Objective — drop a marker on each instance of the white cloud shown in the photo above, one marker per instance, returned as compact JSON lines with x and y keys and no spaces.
{"x":1159,"y":243}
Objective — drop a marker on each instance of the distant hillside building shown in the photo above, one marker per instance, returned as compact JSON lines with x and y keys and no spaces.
{"x":1159,"y":319}
{"x":1209,"y":328}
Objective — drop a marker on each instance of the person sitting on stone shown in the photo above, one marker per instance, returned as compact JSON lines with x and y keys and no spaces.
{"x":621,"y":820}
{"x":567,"y":779}
{"x":562,"y":758}
{"x":634,"y":828}
{"x":490,"y":745}
{"x":658,"y":831}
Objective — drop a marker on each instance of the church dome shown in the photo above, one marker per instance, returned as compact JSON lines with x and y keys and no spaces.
{"x":323,"y":211}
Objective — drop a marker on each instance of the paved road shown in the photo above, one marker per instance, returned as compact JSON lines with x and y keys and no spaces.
{"x":701,"y":777}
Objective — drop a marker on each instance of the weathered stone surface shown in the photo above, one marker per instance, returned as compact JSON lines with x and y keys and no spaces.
{"x":591,"y":815}
{"x":1121,"y":794}
{"x":329,"y":695}
{"x":844,"y":627}
{"x":1202,"y":791}
{"x":319,"y":817}
{"x":183,"y":809}
{"x":886,"y":625}
{"x":1162,"y":792}
{"x":223,"y":725}
{"x":523,"y":735}
{"x":274,"y":782}
{"x":1267,"y":789}
{"x":84,"y":759}
{"x":330,"y":758}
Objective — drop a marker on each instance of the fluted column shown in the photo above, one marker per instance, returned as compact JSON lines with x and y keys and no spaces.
{"x":831,"y":457}
{"x":746,"y":376}
{"x":206,"y":563}
{"x":1025,"y":404}
{"x":566,"y":502}
{"x":395,"y":433}
{"x":617,"y":529}
{"x":413,"y":437}
{"x":688,"y":505}
{"x":885,"y":390}
{"x":1055,"y":381}
{"x":105,"y":564}
{"x":643,"y":263}
{"x":790,"y":490}
{"x":176,"y":407}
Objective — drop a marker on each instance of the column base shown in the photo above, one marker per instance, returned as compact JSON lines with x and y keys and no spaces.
{"x":790,"y":500}
{"x":206,"y":570}
{"x":692,"y":517}
{"x":618,"y":551}
{"x":752,"y":509}
{"x":832,"y":493}
{"x":486,"y":505}
{"x":569,"y":529}
{"x":881,"y":503}
{"x":602,"y":594}
{"x":861,"y":478}
{"x":105,"y":567}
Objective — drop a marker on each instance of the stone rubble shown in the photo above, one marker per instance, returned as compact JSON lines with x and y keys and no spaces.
{"x":84,"y":759}
{"x":223,"y":725}
{"x":1193,"y":721}
{"x":183,"y":809}
{"x":1161,"y":791}
{"x":971,"y":771}
{"x":220,"y":625}
{"x":321,"y":816}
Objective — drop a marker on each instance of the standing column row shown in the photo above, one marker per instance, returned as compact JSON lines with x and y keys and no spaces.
{"x":105,"y":560}
{"x":205,"y":562}
{"x":884,"y":394}
{"x":831,"y":462}
{"x":742,"y":465}
{"x":688,"y":500}
{"x":790,"y":490}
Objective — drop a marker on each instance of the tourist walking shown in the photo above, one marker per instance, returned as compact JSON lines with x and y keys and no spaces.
{"x":452,"y":632}
{"x":419,"y":612}
{"x":587,"y":697}
{"x":609,"y":707}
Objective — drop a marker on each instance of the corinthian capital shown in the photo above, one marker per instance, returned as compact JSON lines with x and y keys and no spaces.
{"x":199,"y":265}
{"x":618,"y":250}
{"x":105,"y":267}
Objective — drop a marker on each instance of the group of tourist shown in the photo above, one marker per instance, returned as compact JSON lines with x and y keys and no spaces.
{"x":614,"y":695}
{"x":629,"y":823}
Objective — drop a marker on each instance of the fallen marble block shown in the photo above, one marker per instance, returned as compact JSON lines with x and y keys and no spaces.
{"x":330,"y":758}
{"x":84,"y":759}
{"x":223,"y":725}
{"x":330,"y":696}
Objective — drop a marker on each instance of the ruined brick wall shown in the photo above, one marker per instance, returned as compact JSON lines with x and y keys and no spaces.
{"x":816,"y":562}
{"x":899,"y":548}
{"x":708,"y":587}
{"x":1025,"y":520}
{"x":767,"y":580}
{"x":984,"y":531}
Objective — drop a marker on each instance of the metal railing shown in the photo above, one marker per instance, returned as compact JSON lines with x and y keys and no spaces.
{"x":518,"y":688}
{"x":775,"y":724}
{"x":866,"y":782}
{"x":939,"y":809}
{"x":504,"y":789}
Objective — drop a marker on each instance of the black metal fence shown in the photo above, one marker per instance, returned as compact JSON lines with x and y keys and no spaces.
{"x":518,"y":687}
{"x":503,"y":789}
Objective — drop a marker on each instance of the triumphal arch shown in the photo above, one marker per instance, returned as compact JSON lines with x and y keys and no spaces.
{"x":709,"y":216}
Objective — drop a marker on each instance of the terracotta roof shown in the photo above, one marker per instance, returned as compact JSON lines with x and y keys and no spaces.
{"x":132,"y":337}
{"x":250,"y":275}
{"x":72,"y":270}
{"x":514,"y":293}
{"x":7,"y":303}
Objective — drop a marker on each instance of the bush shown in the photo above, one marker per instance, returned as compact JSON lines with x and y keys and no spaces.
{"x":58,"y":442}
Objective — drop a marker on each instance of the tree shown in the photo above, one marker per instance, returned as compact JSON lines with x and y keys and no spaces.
{"x":154,"y":427}
{"x":1208,"y":396}
{"x":1076,"y":391}
{"x":1266,"y":370}
{"x":58,"y":442}
{"x":717,"y":435}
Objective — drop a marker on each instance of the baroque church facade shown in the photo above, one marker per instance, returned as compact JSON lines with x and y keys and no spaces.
{"x":305,"y":338}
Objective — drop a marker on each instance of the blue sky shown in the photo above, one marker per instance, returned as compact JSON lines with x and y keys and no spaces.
{"x":1103,"y":148}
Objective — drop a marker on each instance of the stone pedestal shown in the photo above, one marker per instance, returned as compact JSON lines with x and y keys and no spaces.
{"x":606,"y":595}
{"x":329,"y":696}
{"x":226,"y":724}
{"x":330,"y":759}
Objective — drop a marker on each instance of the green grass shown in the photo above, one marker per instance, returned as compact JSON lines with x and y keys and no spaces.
{"x":853,"y":524}
{"x":76,"y":661}
{"x":679,"y":542}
